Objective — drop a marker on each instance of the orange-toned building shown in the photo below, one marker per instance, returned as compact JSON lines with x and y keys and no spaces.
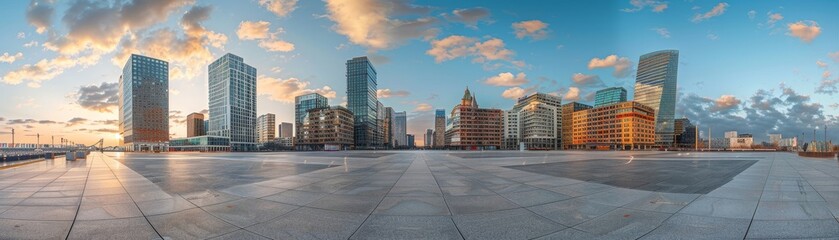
{"x":472,"y":128}
{"x":624,"y":125}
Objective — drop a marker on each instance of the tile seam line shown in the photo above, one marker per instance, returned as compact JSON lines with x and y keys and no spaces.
{"x":101,"y":158}
{"x":443,"y":196}
{"x":762,"y":190}
{"x":381,"y":200}
{"x":81,"y":198}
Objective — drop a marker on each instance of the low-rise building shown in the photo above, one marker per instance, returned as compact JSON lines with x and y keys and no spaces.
{"x":329,"y":128}
{"x":200,"y":144}
{"x":742,"y":141}
{"x":471,"y":127}
{"x":567,"y":123}
{"x":535,"y":122}
{"x":626,"y":125}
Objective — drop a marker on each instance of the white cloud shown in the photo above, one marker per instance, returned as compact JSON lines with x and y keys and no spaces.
{"x":663,"y":32}
{"x":275,"y":45}
{"x":821,"y":64}
{"x":752,"y":14}
{"x":719,"y":9}
{"x":281,"y":8}
{"x":514,"y":93}
{"x":573,"y":94}
{"x":6,"y":58}
{"x":253,"y":30}
{"x":804,"y":30}
{"x":457,"y":46}
{"x":773,"y":18}
{"x":622,"y":65}
{"x":583,"y":80}
{"x":469,"y":16}
{"x":387,"y":93}
{"x":284,"y":90}
{"x":371,"y":23}
{"x":534,"y":29}
{"x":507,"y":79}
{"x":423,"y":107}
{"x":31,"y":44}
{"x":712,"y":36}
{"x":638,"y":5}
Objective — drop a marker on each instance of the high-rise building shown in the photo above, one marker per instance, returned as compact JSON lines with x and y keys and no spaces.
{"x":439,"y":128}
{"x":144,"y":104}
{"x":387,"y":127}
{"x":302,"y":105}
{"x":567,"y":130}
{"x":195,"y":125}
{"x":731,"y":134}
{"x":535,"y":121}
{"x":411,"y":140}
{"x":362,"y":100}
{"x":400,"y":129}
{"x":610,"y":95}
{"x":265,"y":127}
{"x":626,"y":125}
{"x":472,"y":127}
{"x":286,"y":130}
{"x":379,"y":138}
{"x":685,"y":133}
{"x":655,"y":87}
{"x":206,"y":127}
{"x":232,"y":85}
{"x":428,"y":139}
{"x":328,"y":128}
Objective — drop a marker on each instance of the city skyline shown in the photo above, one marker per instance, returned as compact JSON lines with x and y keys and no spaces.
{"x":766,"y":64}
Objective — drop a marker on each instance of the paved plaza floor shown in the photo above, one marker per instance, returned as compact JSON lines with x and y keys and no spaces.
{"x":423,"y":195}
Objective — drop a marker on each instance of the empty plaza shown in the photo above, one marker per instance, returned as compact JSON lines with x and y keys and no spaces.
{"x":423,"y":195}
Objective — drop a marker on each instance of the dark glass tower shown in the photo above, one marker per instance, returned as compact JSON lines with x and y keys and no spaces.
{"x":655,"y":87}
{"x":362,"y":100}
{"x":144,"y":104}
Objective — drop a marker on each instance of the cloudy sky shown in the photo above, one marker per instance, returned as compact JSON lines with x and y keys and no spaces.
{"x":753,"y":66}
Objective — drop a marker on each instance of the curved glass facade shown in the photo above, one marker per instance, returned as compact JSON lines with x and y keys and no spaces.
{"x":655,"y":87}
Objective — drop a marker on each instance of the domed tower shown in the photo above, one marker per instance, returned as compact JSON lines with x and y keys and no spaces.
{"x":467,"y":98}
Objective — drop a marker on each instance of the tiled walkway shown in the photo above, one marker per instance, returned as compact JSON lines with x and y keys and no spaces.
{"x":404,"y":195}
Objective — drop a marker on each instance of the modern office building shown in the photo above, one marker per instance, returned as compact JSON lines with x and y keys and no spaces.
{"x":232,"y":97}
{"x":206,"y":127}
{"x":379,"y":138}
{"x":195,"y":125}
{"x":472,"y":127}
{"x":610,"y":95}
{"x":655,"y":87}
{"x":567,"y":123}
{"x":286,"y":130}
{"x":411,"y":140}
{"x":302,"y":105}
{"x":200,"y":144}
{"x":684,"y":133}
{"x":387,"y":127}
{"x":144,"y":104}
{"x":439,"y":128}
{"x":621,"y":126}
{"x":534,"y":123}
{"x":428,"y":138}
{"x":265,"y":128}
{"x":400,"y":129}
{"x":362,"y":100}
{"x":329,"y":128}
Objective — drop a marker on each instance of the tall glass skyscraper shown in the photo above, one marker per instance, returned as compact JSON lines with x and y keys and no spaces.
{"x":655,"y":87}
{"x":302,"y":105}
{"x":362,"y":100}
{"x":400,"y":129}
{"x":232,"y":97}
{"x":610,"y":95}
{"x":144,"y":104}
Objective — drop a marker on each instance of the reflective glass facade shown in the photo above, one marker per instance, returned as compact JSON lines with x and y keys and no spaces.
{"x":655,"y":87}
{"x":610,"y":95}
{"x":144,"y":103}
{"x":302,"y":105}
{"x":232,"y":85}
{"x":362,"y":100}
{"x":400,"y":129}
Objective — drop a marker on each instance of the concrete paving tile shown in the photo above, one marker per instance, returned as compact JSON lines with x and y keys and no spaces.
{"x":27,"y":229}
{"x":736,"y":193}
{"x":721,"y":207}
{"x":572,"y":211}
{"x":128,"y":228}
{"x":467,"y":191}
{"x":625,"y":223}
{"x":582,"y":189}
{"x":208,"y":197}
{"x":190,"y":224}
{"x":476,"y":204}
{"x":506,"y":224}
{"x":663,"y":202}
{"x":347,"y":203}
{"x":412,"y":206}
{"x":570,"y":233}
{"x":164,"y":206}
{"x":684,"y":226}
{"x":108,"y":211}
{"x":57,"y":201}
{"x":415,"y":191}
{"x":247,"y":212}
{"x":309,"y":223}
{"x":240,"y":235}
{"x":534,"y":197}
{"x":791,"y":196}
{"x":761,"y":229}
{"x":407,"y":227}
{"x":294,"y":197}
{"x":616,"y":197}
{"x":56,"y":213}
{"x":252,"y":191}
{"x":792,"y":211}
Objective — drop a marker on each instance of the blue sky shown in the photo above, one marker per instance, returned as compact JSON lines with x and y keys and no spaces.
{"x":740,"y":61}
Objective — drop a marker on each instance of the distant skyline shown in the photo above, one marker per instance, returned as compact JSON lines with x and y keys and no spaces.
{"x":748,"y":66}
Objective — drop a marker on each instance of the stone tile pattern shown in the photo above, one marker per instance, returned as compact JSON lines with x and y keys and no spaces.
{"x":411,"y":195}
